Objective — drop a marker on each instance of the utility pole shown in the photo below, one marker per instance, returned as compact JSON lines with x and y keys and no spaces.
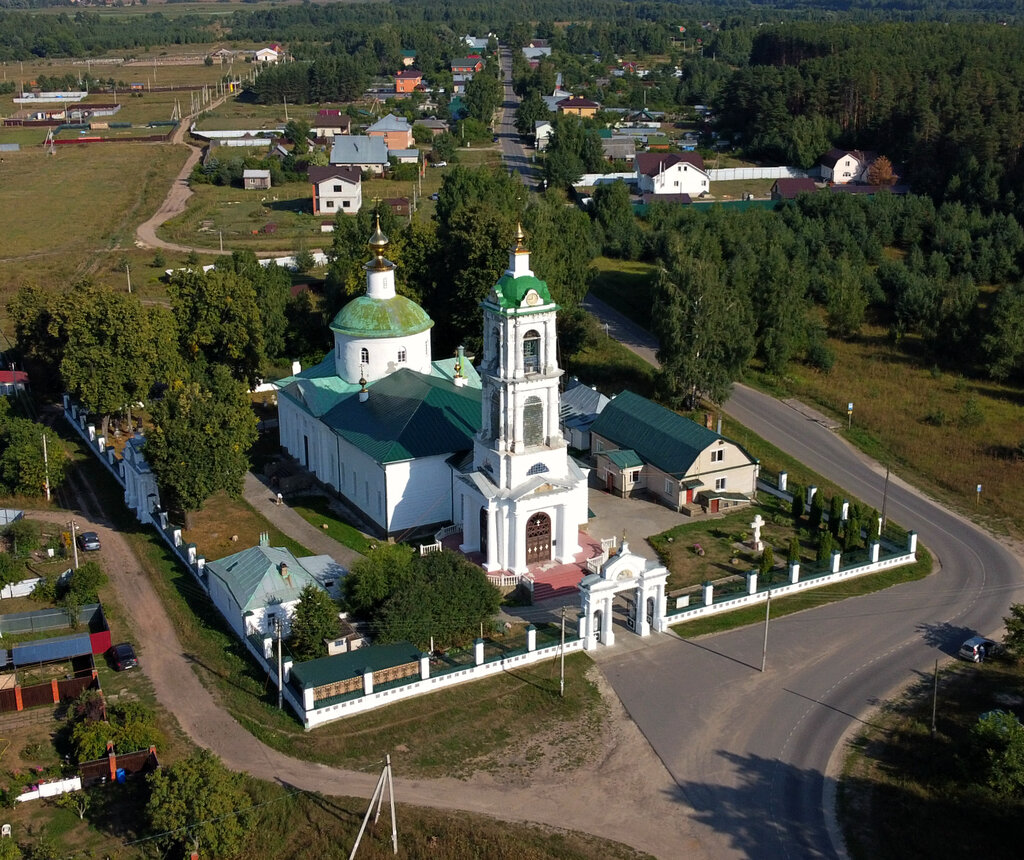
{"x":74,"y":542}
{"x":935,"y":696}
{"x":885,"y":498}
{"x":46,"y":472}
{"x":128,"y":274}
{"x":280,"y":677}
{"x":561,"y":671}
{"x":378,"y":798}
{"x":767,"y":615}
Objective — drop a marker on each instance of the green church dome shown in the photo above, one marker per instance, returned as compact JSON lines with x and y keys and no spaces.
{"x":511,"y":291}
{"x":394,"y":317}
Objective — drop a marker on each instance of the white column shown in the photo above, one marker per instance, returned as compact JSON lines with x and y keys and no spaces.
{"x":641,"y":626}
{"x":794,"y":572}
{"x":493,"y":562}
{"x":607,"y":631}
{"x":552,"y":432}
{"x":513,"y":550}
{"x":660,"y":609}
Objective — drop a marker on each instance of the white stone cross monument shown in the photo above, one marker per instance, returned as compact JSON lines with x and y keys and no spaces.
{"x":756,"y":526}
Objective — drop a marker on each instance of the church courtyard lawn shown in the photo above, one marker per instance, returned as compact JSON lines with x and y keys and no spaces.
{"x":901,"y":786}
{"x":222,"y":519}
{"x":317,"y":511}
{"x":809,"y":599}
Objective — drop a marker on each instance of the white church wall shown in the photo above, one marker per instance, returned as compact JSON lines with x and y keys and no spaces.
{"x":419,"y":492}
{"x":361,"y":480}
{"x":382,"y":355}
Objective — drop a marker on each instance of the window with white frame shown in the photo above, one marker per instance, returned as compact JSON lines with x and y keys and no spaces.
{"x":634,"y":476}
{"x":531,"y":352}
{"x":719,"y":483}
{"x":668,"y":487}
{"x":718,"y":455}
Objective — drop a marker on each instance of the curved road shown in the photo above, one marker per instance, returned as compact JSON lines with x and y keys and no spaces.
{"x":755,"y":756}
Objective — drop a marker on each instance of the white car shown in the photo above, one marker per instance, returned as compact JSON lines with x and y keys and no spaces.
{"x":977,"y":648}
{"x":438,"y":163}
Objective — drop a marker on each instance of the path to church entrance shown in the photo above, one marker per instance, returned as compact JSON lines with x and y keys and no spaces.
{"x":261,"y":497}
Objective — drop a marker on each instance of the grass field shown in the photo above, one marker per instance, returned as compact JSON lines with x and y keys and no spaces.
{"x":903,"y":785}
{"x":62,"y":215}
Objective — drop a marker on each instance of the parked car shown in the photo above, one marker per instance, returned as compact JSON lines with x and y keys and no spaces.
{"x":433,"y":196}
{"x":123,"y":657}
{"x":977,"y":648}
{"x":89,"y":541}
{"x":438,"y":163}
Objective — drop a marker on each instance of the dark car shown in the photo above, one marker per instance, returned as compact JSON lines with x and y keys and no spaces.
{"x":123,"y":657}
{"x":89,"y":541}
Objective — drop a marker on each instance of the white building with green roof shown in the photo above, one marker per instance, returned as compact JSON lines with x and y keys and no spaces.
{"x":521,"y":499}
{"x":378,"y":420}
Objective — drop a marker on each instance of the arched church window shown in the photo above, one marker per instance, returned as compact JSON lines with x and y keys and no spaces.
{"x":495,"y":415}
{"x":531,"y":352}
{"x":533,"y":421}
{"x":401,"y":355}
{"x":364,"y":355}
{"x":537,"y":469}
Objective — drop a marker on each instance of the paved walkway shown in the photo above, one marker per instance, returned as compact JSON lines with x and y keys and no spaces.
{"x":261,"y":497}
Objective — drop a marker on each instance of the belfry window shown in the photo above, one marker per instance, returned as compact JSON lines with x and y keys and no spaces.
{"x":364,"y":355}
{"x":533,"y":421}
{"x":401,"y":355}
{"x":531,"y":352}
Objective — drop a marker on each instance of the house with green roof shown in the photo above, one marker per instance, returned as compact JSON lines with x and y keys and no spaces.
{"x":257,"y":587}
{"x":378,"y":420}
{"x":640,"y":447}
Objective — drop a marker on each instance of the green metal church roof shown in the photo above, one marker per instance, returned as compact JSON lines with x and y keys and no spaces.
{"x":396,"y":317}
{"x":660,"y":436}
{"x":409,"y":415}
{"x":511,"y":291}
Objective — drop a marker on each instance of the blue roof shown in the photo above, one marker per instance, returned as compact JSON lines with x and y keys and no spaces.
{"x":390,"y":123}
{"x":48,"y":650}
{"x":358,"y":149}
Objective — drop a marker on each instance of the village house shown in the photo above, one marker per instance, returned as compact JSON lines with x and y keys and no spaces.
{"x":256,"y":180}
{"x":406,"y":81}
{"x":578,"y":106}
{"x":269,"y":55}
{"x":408,"y":58}
{"x":435,"y":126}
{"x":336,"y":189}
{"x":257,"y":589}
{"x":842,"y":166}
{"x":581,"y":405}
{"x":467,"y":65}
{"x":671,"y":173}
{"x":361,"y":151}
{"x":12,"y":381}
{"x":330,"y":122}
{"x":641,"y":447}
{"x":788,"y":189}
{"x":395,"y":131}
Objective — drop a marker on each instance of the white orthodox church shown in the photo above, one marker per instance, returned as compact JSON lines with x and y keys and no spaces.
{"x":414,"y":443}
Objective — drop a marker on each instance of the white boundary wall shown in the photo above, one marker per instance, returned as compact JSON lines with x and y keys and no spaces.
{"x":732,"y":174}
{"x":51,"y":789}
{"x":320,"y":716}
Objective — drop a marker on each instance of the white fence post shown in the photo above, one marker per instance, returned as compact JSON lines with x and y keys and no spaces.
{"x":783,"y":480}
{"x":836,"y":558}
{"x":709,"y":593}
{"x":424,"y":666}
{"x":794,"y":572}
{"x":367,"y":681}
{"x":752,"y":582}
{"x":874,"y":551}
{"x":531,"y":638}
{"x":478,"y":651}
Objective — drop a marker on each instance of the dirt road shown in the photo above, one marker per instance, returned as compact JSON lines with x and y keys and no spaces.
{"x":617,"y":795}
{"x":177,"y":196}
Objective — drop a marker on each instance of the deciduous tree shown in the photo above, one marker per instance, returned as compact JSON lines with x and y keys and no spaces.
{"x":200,"y":439}
{"x":199,"y":804}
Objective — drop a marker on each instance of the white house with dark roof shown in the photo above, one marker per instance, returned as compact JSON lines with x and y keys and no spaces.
{"x":581,"y":404}
{"x":640,"y":446}
{"x":842,"y":166}
{"x":336,"y":189}
{"x":671,"y":173}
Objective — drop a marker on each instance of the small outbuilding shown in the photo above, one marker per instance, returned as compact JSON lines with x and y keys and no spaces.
{"x":256,"y":180}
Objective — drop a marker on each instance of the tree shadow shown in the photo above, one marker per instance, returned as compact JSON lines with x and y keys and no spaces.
{"x":945,"y":636}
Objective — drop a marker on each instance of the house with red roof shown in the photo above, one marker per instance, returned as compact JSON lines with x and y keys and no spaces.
{"x":12,"y":381}
{"x":671,"y":173}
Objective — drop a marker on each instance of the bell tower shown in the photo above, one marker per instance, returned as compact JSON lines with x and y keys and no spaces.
{"x":520,"y":434}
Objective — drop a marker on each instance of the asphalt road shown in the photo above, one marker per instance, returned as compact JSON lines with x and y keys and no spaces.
{"x":755,"y":756}
{"x":516,"y":156}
